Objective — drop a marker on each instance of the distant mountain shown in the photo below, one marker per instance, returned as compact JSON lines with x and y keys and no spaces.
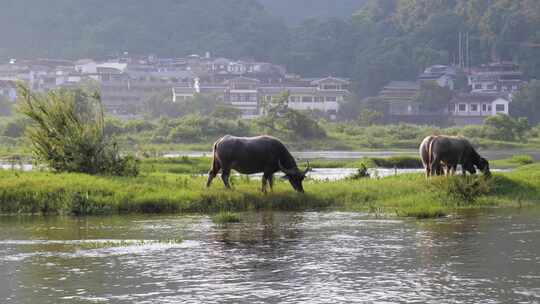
{"x":82,"y":28}
{"x":295,"y":11}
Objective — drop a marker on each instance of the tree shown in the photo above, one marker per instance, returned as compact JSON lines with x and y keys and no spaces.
{"x":526,"y":102}
{"x":161,"y":105}
{"x":433,"y":97}
{"x":280,"y":120}
{"x":504,"y":127}
{"x":369,"y":117}
{"x":67,"y":133}
{"x":226,"y":112}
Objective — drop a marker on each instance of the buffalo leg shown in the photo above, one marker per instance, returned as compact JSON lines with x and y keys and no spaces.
{"x":263,"y":186}
{"x":270,"y":180}
{"x":435,"y":165}
{"x":213,"y":172}
{"x":267,"y":180}
{"x":454,"y":169}
{"x":225,"y":177}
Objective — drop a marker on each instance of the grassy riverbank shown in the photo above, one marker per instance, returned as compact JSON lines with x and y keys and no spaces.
{"x":159,"y":192}
{"x":201,"y":165}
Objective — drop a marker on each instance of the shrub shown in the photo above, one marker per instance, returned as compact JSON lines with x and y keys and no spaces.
{"x":185,"y":133}
{"x":463,"y":190}
{"x":504,"y":127}
{"x":361,"y":173}
{"x":472,"y":131}
{"x":136,"y":126}
{"x":523,"y":159}
{"x":67,"y":133}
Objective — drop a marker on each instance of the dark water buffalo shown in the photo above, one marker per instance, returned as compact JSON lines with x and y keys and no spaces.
{"x":424,"y":154}
{"x":249,"y":155}
{"x":452,"y":151}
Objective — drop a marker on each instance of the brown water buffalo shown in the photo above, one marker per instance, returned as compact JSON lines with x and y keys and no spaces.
{"x":452,"y":151}
{"x":249,"y":155}
{"x":424,"y":155}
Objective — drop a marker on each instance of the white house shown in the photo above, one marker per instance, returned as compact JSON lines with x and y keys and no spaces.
{"x":473,"y":108}
{"x":249,"y":95}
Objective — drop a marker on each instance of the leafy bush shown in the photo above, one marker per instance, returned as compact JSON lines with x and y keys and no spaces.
{"x":523,"y":159}
{"x":136,"y":126}
{"x":504,"y":127}
{"x":282,"y":121}
{"x":67,"y":133}
{"x":185,"y":133}
{"x":463,"y":190}
{"x":361,"y":173}
{"x":196,"y":128}
{"x":472,"y":131}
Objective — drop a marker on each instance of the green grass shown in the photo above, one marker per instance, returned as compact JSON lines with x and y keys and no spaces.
{"x":225,"y":217}
{"x":156,"y":192}
{"x":178,"y":165}
{"x":513,"y":162}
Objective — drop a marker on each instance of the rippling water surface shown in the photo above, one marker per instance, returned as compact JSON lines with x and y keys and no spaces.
{"x":487,"y":257}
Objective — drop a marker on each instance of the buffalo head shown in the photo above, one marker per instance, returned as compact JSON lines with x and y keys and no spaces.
{"x":483,"y":165}
{"x":295,"y":176}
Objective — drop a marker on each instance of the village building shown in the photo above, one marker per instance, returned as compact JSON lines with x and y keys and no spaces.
{"x":8,"y":90}
{"x":443,"y":75}
{"x":495,"y":77}
{"x":474,"y":108}
{"x":399,"y":98}
{"x":249,"y":94}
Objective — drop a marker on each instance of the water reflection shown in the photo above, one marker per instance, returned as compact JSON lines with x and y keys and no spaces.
{"x":486,"y":257}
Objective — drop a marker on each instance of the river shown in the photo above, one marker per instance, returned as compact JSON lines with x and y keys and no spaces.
{"x":488,"y":256}
{"x":349,"y":155}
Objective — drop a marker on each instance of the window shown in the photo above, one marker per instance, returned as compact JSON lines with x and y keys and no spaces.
{"x":500,"y":108}
{"x":330,"y":87}
{"x":294,"y":99}
{"x":477,"y":86}
{"x":451,"y":108}
{"x":319,"y":99}
{"x":462,"y":107}
{"x":307,"y":99}
{"x":474,"y":107}
{"x":490,"y":86}
{"x":331,"y":98}
{"x":484,"y":107}
{"x":489,"y":108}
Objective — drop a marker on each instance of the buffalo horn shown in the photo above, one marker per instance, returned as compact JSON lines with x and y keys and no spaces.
{"x":308,"y":168}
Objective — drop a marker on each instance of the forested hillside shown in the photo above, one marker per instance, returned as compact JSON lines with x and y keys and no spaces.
{"x":384,"y":40}
{"x":396,"y":39}
{"x":80,"y":28}
{"x":294,"y":12}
